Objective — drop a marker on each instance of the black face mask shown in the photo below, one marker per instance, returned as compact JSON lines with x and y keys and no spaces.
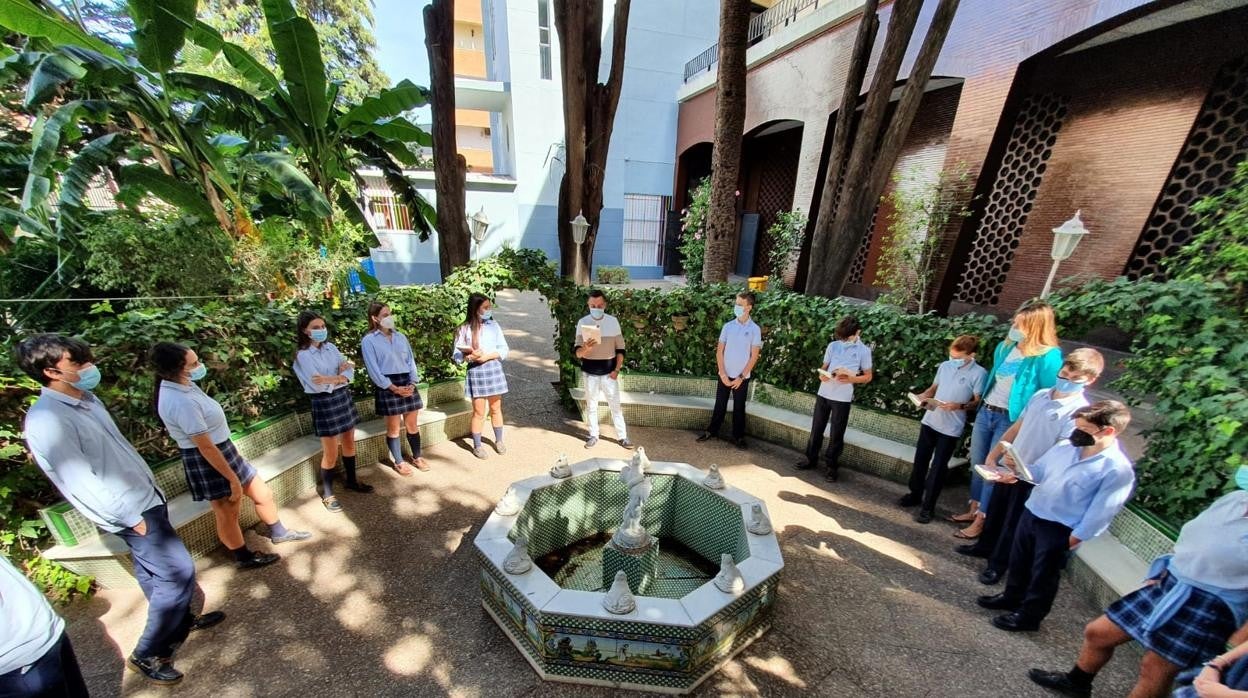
{"x":1081,"y":438}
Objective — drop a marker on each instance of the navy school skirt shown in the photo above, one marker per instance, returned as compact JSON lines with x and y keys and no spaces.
{"x":334,"y":413}
{"x":1196,"y":633}
{"x":203,"y":480}
{"x":388,"y":404}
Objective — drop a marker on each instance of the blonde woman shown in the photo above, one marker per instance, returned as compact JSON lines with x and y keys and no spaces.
{"x":1026,"y":361}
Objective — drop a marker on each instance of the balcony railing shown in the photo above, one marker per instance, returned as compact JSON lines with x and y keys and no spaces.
{"x":762,"y":25}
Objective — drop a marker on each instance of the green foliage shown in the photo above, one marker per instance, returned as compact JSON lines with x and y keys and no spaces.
{"x":693,"y":232}
{"x":920,"y":208}
{"x":612,"y":275}
{"x":1190,"y":356}
{"x":160,"y":254}
{"x":786,"y":238}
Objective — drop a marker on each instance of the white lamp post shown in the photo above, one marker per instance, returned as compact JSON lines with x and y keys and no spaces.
{"x":580,"y":229}
{"x":1065,"y":239}
{"x":480,"y":224}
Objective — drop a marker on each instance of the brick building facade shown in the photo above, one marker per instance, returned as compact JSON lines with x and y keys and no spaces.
{"x":1126,"y":110}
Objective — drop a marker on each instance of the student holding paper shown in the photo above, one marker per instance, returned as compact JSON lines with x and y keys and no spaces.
{"x":956,"y":389}
{"x":1047,"y":419}
{"x":1080,"y":487}
{"x":480,"y":343}
{"x":846,"y":363}
{"x":600,"y":348}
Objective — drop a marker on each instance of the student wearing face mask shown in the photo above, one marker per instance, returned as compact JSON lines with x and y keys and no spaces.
{"x":1025,"y":361}
{"x":480,"y":343}
{"x":326,"y":378}
{"x":1047,"y":419}
{"x":1080,"y":487}
{"x":75,"y":442}
{"x":846,"y":363}
{"x":602,"y":356}
{"x":392,"y":368}
{"x":1186,"y":612}
{"x":215,"y":471}
{"x":740,"y":342}
{"x":956,"y":389}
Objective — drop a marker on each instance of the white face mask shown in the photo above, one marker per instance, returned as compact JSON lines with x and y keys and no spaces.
{"x":387,"y":322}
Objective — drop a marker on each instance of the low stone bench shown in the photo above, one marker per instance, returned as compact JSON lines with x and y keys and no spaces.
{"x":1114,"y":563}
{"x":875,"y":442}
{"x":285,"y":452}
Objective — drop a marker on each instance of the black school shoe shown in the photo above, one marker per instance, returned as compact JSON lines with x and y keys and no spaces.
{"x":158,"y":671}
{"x":909,"y":499}
{"x":1059,"y":681}
{"x":990,"y":577}
{"x":970,"y":550}
{"x":924,"y":516}
{"x":259,"y":560}
{"x":830,"y":474}
{"x":706,"y":436}
{"x":1016,"y":622}
{"x":357,"y":486}
{"x":997,"y":602}
{"x":740,"y":444}
{"x":207,"y":620}
{"x":803,"y":464}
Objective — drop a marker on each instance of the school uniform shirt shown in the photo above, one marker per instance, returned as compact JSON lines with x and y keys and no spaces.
{"x":324,"y":361}
{"x":854,"y":357}
{"x":83,"y":453}
{"x":187,"y":411}
{"x":1046,"y":421}
{"x":600,"y":359}
{"x":955,"y":382}
{"x":739,"y":339}
{"x":490,"y":340}
{"x":1212,"y":548}
{"x":388,"y":356}
{"x":31,"y":627}
{"x":1084,"y":494}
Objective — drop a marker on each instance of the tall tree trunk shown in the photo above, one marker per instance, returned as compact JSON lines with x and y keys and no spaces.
{"x":588,"y":119}
{"x":450,"y":170}
{"x":721,"y":218}
{"x":876,"y":145}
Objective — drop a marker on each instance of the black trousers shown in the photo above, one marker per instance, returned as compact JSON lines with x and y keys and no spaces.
{"x":1001,"y":524}
{"x":166,"y":574}
{"x":828,"y":412}
{"x":722,"y":392}
{"x":931,"y":462}
{"x":1041,"y":548}
{"x":54,"y":675}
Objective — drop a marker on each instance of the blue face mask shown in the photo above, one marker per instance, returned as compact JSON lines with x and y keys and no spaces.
{"x":1064,"y":385}
{"x":198,"y":372}
{"x":487,"y":314}
{"x":1016,"y":335}
{"x":88,"y":378}
{"x":1241,"y":477}
{"x":319,"y":335}
{"x":597,"y":313}
{"x":738,"y":310}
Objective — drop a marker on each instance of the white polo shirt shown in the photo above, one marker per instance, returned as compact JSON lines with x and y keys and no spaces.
{"x":958,"y":383}
{"x":188,"y":411}
{"x":739,"y":339}
{"x":854,"y":357}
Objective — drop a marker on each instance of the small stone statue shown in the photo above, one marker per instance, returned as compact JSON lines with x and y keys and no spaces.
{"x":759,"y":524}
{"x":729,"y":579}
{"x":509,"y":505}
{"x":518,"y":560}
{"x":619,"y":599}
{"x":631,"y":535}
{"x":640,"y":461}
{"x":714,"y":480}
{"x":561,"y":468}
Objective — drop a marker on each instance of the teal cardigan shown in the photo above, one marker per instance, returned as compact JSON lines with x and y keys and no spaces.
{"x":1036,"y":373}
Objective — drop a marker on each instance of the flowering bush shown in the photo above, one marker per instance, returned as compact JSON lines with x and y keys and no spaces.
{"x":693,"y":232}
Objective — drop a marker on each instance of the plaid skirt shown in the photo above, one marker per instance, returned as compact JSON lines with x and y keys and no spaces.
{"x":205,"y":483}
{"x":334,"y":413}
{"x":388,"y":404}
{"x":485,"y":380}
{"x":1196,"y":632}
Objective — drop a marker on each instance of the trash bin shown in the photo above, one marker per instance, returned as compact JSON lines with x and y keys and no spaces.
{"x":758,"y":283}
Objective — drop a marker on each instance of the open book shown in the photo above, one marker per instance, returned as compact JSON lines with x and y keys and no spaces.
{"x":589,"y":332}
{"x":1020,"y":467}
{"x":824,"y":373}
{"x":929,"y":403}
{"x":993,"y":473}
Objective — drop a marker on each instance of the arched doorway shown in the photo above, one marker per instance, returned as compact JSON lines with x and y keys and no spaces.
{"x":769,"y":161}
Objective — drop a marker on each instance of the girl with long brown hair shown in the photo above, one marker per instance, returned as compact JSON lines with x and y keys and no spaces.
{"x":481,"y":344}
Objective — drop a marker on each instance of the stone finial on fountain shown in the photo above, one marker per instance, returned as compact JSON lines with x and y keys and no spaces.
{"x":509,"y":505}
{"x":640,"y":461}
{"x":561,"y":468}
{"x":518,"y":560}
{"x":714,"y":479}
{"x":619,"y":598}
{"x":758,"y":524}
{"x":729,"y":579}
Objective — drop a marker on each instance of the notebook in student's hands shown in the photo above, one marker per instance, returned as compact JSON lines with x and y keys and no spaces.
{"x":589,"y":332}
{"x":928,"y":404}
{"x":1020,"y":467}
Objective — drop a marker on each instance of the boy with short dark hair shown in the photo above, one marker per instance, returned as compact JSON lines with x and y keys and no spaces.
{"x":846,"y":363}
{"x":740,"y":342}
{"x":957,"y":388}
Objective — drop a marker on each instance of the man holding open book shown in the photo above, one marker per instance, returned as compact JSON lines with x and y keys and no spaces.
{"x":600,"y":348}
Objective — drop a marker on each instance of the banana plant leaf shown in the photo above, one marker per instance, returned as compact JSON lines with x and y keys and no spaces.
{"x":296,"y":184}
{"x":49,"y":76}
{"x":298,"y":50}
{"x":386,"y":105}
{"x":160,"y":30}
{"x":189,"y":199}
{"x":23,"y":17}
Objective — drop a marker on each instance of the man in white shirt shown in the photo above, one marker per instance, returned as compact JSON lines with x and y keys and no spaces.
{"x":602,"y":357}
{"x":36,"y":658}
{"x":740,"y":342}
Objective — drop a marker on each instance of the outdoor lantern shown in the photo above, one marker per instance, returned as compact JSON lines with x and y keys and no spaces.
{"x":580,"y":228}
{"x":480,"y":224}
{"x":1065,"y":239}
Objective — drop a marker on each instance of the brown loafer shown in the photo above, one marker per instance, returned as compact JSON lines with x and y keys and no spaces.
{"x":420,"y":464}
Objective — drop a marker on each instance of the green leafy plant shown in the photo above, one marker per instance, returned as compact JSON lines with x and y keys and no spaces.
{"x":158,"y":253}
{"x":786,"y":238}
{"x":612,"y":275}
{"x":693,"y":232}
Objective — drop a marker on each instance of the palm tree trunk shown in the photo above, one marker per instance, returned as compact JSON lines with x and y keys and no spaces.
{"x":450,"y":168}
{"x":721,"y":219}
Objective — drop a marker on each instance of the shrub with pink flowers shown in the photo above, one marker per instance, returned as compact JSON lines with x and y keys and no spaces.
{"x":693,"y":232}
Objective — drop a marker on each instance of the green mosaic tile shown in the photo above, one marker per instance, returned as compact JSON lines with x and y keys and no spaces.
{"x":61,"y":527}
{"x":443,"y":392}
{"x":667,"y":385}
{"x":1141,"y":538}
{"x":554,"y":517}
{"x":708,"y":524}
{"x":675,"y":577}
{"x":641,"y":569}
{"x":82,"y":529}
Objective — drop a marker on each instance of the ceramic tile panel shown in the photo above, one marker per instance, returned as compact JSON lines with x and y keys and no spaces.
{"x":641,"y":569}
{"x":708,"y":524}
{"x":1141,"y":538}
{"x":556,"y":516}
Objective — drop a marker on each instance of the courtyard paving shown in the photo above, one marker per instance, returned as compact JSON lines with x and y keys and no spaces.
{"x":384,"y":600}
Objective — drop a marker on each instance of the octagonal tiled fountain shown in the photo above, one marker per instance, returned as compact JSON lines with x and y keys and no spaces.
{"x":645,"y":575}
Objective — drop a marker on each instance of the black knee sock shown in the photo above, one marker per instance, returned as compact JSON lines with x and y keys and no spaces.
{"x":242,"y":554}
{"x":1079,"y":677}
{"x":348,"y":464}
{"x":413,"y":441}
{"x":327,"y":483}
